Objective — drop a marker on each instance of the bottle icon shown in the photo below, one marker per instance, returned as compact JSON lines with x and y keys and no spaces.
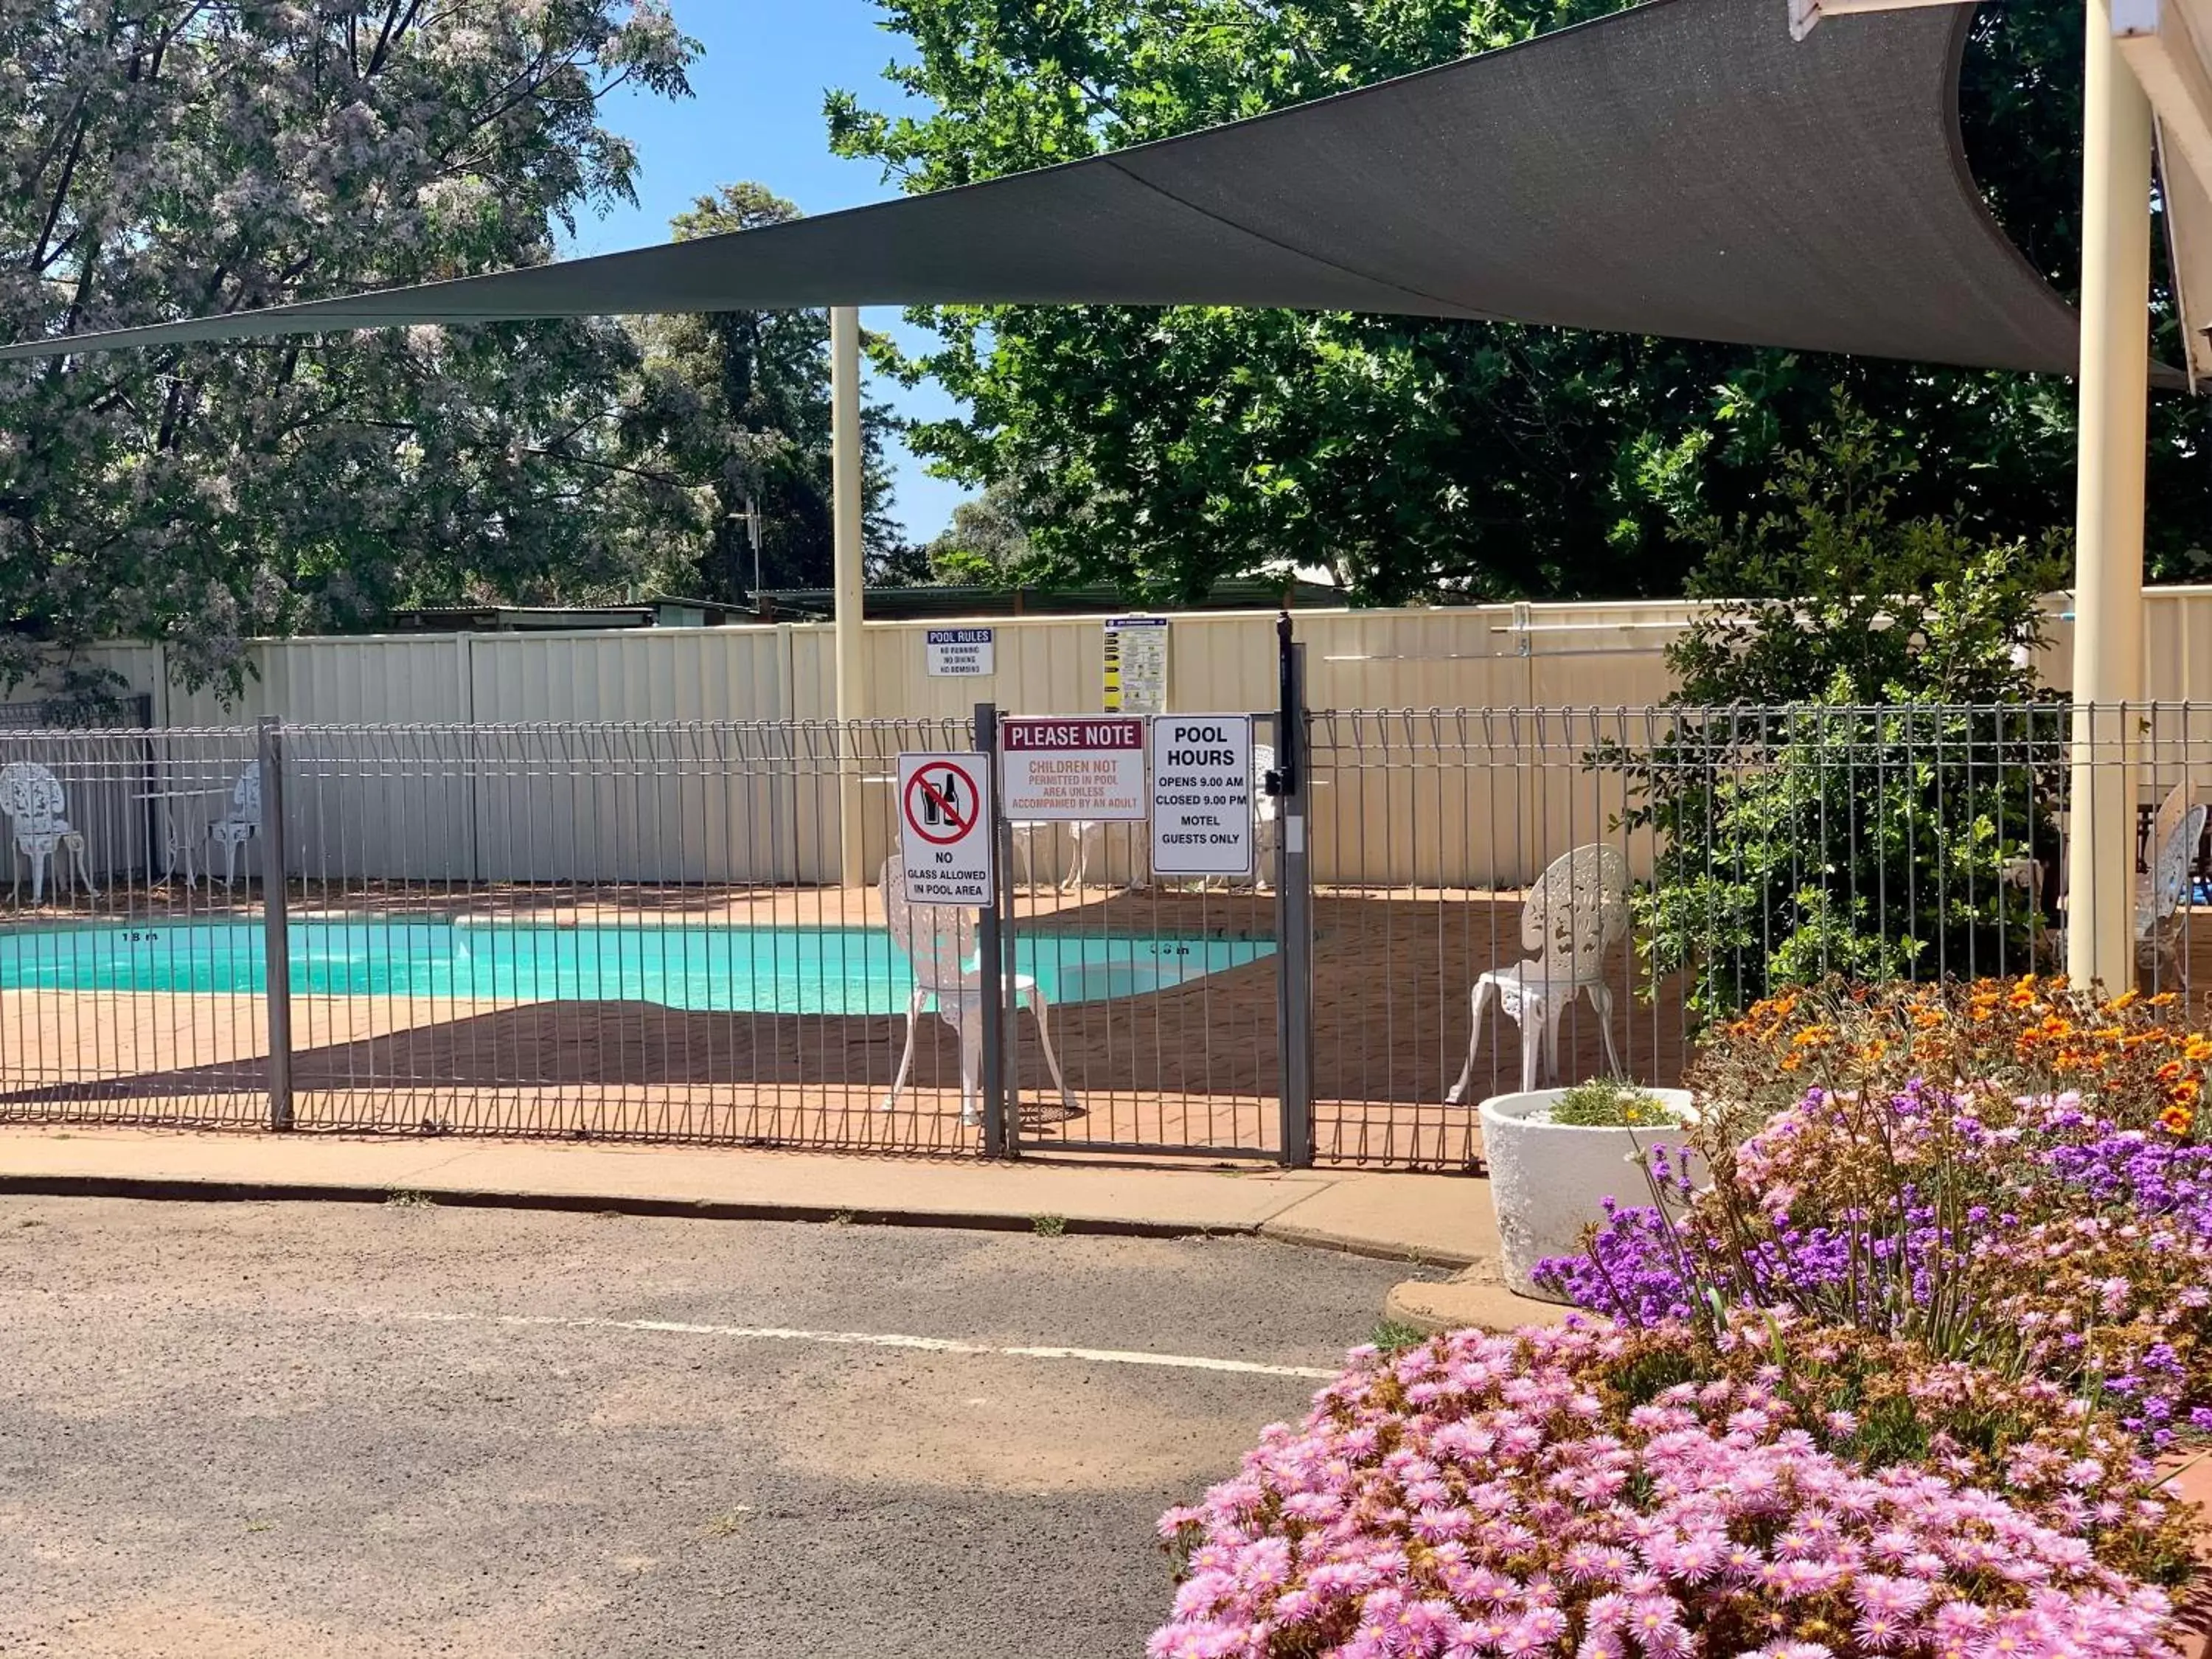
{"x":940,"y":802}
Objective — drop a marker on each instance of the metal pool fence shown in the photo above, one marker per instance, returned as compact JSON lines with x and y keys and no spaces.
{"x":647,"y":932}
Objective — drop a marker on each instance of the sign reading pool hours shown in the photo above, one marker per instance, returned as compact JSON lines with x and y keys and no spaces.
{"x":1202,"y":794}
{"x":1137,"y":665}
{"x":1060,"y":770}
{"x":961,"y":652}
{"x":944,"y":822}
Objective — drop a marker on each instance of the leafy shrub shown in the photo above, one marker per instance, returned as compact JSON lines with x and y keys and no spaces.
{"x":1858,"y":751}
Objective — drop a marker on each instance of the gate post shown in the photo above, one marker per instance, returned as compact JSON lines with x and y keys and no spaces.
{"x":1001,"y":1126}
{"x":1290,"y":784}
{"x":277,"y":945}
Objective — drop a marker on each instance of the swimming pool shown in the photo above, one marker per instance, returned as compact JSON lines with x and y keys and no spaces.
{"x":785,"y":970}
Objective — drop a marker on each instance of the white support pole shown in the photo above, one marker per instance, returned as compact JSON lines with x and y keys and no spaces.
{"x":852,"y":642}
{"x":2115,"y":395}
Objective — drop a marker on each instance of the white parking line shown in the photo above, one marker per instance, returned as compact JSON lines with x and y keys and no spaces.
{"x":880,"y":1340}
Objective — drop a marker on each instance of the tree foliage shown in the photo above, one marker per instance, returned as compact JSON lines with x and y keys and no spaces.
{"x":176,"y":157}
{"x":737,"y":404}
{"x":1860,"y":751}
{"x":1416,"y":458}
{"x":987,"y":544}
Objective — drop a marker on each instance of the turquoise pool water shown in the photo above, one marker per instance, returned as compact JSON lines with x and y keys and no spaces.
{"x":785,"y":970}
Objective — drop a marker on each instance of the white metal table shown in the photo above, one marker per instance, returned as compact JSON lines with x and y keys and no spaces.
{"x":186,"y":823}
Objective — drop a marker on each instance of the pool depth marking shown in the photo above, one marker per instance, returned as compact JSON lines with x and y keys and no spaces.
{"x":878,"y":1339}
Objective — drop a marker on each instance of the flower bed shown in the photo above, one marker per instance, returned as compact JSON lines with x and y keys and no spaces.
{"x":2044,"y":1209}
{"x":1604,"y":1493}
{"x":1884,"y":1386}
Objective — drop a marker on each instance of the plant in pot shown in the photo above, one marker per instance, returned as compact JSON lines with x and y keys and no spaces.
{"x":1556,"y":1155}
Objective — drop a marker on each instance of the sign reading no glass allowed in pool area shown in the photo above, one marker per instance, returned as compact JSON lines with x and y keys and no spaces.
{"x":944,"y":829}
{"x":1064,"y":771}
{"x":1202,"y":794}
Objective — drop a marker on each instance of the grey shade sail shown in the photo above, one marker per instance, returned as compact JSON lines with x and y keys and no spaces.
{"x":1683,"y":168}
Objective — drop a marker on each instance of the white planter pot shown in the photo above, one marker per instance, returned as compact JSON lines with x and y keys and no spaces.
{"x":1549,"y":1181}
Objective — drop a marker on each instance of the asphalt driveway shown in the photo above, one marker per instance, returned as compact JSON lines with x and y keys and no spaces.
{"x":322,"y":1430}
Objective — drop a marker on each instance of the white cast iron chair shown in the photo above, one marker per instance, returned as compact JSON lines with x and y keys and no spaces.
{"x":31,"y":801}
{"x":939,"y":941}
{"x":1576,"y":913}
{"x":241,"y":823}
{"x":2175,"y":833}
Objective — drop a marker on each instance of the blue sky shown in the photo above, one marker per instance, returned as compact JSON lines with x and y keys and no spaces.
{"x":758,"y":115}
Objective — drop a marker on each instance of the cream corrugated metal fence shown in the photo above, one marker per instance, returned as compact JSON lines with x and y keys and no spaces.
{"x":1496,"y":659}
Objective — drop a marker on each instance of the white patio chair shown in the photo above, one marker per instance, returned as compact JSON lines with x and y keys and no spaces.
{"x":1574,"y":914}
{"x":940,"y":941}
{"x":241,"y":823}
{"x":2175,"y":833}
{"x":31,"y":800}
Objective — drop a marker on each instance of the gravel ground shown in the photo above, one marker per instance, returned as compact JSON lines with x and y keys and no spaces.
{"x":323,"y":1430}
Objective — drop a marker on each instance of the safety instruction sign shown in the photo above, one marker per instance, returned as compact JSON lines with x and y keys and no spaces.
{"x":1060,"y":770}
{"x":961,"y":653}
{"x":1137,"y":665}
{"x":1202,"y":795}
{"x":944,"y":824}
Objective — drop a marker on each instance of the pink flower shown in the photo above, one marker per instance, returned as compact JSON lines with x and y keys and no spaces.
{"x":1478,"y":1505}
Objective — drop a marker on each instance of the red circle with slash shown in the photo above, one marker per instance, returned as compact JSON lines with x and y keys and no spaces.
{"x":919,"y":795}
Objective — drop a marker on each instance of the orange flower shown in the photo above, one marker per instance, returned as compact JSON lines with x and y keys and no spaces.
{"x":2177,"y":1120}
{"x":2169,"y":1070}
{"x":2186,"y":1094}
{"x":2163,"y":999}
{"x":2198,"y":1048}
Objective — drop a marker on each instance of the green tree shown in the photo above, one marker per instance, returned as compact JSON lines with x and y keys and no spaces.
{"x":1859,"y":752}
{"x":1416,"y":458}
{"x":987,"y":544}
{"x":181,"y":156}
{"x":737,"y":404}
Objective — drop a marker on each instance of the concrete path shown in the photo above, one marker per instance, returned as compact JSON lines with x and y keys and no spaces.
{"x":1440,"y":1219}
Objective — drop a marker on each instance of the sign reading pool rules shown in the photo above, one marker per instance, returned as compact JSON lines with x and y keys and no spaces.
{"x":1202,"y":794}
{"x":1137,"y":665}
{"x":1065,"y":771}
{"x":961,"y":652}
{"x":945,"y":821}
